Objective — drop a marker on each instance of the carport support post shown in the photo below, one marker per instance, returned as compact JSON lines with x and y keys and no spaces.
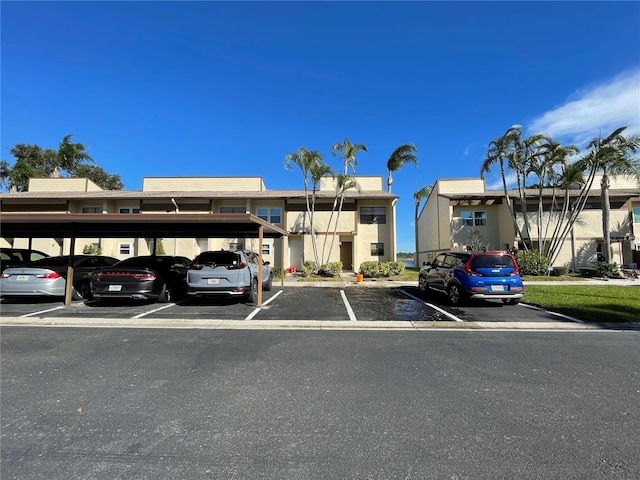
{"x":69,"y":284}
{"x":260,"y":234}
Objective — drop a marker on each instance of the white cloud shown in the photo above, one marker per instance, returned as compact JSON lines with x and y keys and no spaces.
{"x":598,"y":110}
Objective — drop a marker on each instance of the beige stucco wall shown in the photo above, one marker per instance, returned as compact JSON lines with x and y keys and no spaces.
{"x":460,"y":185}
{"x":194,"y":184}
{"x":62,"y":185}
{"x":373,"y":183}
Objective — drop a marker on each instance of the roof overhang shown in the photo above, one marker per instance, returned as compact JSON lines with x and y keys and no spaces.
{"x":149,"y":225}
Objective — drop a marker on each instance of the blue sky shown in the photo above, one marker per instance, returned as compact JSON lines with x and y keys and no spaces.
{"x":229,"y":88}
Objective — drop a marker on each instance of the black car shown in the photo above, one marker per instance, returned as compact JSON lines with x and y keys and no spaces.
{"x":153,"y":277}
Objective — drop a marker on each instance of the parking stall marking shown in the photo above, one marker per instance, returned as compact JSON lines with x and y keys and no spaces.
{"x":352,"y":316}
{"x":153,"y":311}
{"x":42,"y":311}
{"x":435,"y":307}
{"x":257,"y":309}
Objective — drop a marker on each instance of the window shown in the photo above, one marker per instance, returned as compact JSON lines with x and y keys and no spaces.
{"x":124,"y":249}
{"x":266,"y":249}
{"x":473,"y":219}
{"x":236,"y":245}
{"x":129,"y":210}
{"x":369,"y":215}
{"x":636,"y":214}
{"x":377,"y":249}
{"x":232,"y":210}
{"x":271,"y":215}
{"x":91,"y":209}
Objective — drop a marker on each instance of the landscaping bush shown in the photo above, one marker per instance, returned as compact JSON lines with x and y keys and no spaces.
{"x":559,"y":271}
{"x":381,"y":269}
{"x":91,"y":250}
{"x":331,"y":269}
{"x":396,"y":268}
{"x":604,"y":269}
{"x":277,"y":272}
{"x":530,"y":262}
{"x":309,"y":268}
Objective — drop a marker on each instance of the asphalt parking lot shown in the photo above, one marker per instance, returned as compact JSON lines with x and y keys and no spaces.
{"x":348,"y":303}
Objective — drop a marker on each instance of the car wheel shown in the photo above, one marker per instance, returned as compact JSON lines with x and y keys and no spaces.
{"x":455,"y":294}
{"x":82,"y":291}
{"x":422,"y":284}
{"x":511,"y":301}
{"x":267,"y":285}
{"x":165,"y":295}
{"x":252,"y":296}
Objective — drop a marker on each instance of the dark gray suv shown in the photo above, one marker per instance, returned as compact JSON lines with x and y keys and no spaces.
{"x":473,"y":275}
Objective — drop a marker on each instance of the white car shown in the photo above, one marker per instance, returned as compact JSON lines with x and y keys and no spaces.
{"x":228,"y":273}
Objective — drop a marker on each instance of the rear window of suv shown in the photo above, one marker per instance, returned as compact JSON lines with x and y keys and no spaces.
{"x":218,"y":258}
{"x":491,"y":261}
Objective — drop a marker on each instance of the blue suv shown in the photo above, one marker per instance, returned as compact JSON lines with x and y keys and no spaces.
{"x":473,"y":275}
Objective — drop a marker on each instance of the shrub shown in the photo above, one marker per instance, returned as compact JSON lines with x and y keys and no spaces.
{"x":559,"y":271}
{"x":91,"y":250}
{"x":381,"y":269}
{"x":331,"y":269}
{"x":370,"y":269}
{"x":530,"y":262}
{"x":309,"y":268}
{"x":604,"y":269}
{"x":277,"y":272}
{"x":396,"y":268}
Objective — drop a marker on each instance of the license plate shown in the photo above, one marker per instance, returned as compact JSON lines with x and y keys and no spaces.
{"x":213,"y":281}
{"x":498,"y":288}
{"x":115,"y":288}
{"x":22,"y":278}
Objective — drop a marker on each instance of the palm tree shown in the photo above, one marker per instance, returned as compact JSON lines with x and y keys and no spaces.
{"x":71,"y":155}
{"x":343,"y":183}
{"x":612,"y":155}
{"x":400,"y":156}
{"x":306,"y":160}
{"x":348,"y":153}
{"x":318,"y":170}
{"x":418,"y":196}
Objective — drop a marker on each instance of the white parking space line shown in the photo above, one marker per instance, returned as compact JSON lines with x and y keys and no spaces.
{"x":435,"y":307}
{"x":561,"y":315}
{"x":255,"y":312}
{"x":42,"y":311}
{"x":352,"y":316}
{"x":154,"y":311}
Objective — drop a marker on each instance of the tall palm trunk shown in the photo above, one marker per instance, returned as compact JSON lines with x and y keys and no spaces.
{"x":606,"y":212}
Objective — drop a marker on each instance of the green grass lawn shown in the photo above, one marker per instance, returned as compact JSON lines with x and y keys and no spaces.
{"x":592,"y":303}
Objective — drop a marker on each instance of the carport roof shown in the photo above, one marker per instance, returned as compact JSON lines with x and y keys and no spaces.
{"x":172,"y":225}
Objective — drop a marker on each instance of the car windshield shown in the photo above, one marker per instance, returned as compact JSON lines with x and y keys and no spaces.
{"x":491,"y":261}
{"x":218,"y":258}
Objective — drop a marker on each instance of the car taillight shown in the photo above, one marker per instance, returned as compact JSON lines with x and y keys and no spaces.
{"x":49,"y":276}
{"x":468,"y":270}
{"x":238,"y":266}
{"x":5,"y":275}
{"x":96,"y":275}
{"x":195,"y":266}
{"x":144,"y":276}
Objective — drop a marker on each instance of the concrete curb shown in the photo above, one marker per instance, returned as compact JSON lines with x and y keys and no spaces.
{"x":181,"y":323}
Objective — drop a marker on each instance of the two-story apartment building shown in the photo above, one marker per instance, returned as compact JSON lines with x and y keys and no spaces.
{"x":461,"y":212}
{"x":364,"y":229}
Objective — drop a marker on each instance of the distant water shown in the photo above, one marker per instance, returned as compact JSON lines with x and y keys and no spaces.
{"x":408,"y":263}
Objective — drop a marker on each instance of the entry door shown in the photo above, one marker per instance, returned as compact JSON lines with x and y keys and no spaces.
{"x":295,"y":253}
{"x":346,"y":255}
